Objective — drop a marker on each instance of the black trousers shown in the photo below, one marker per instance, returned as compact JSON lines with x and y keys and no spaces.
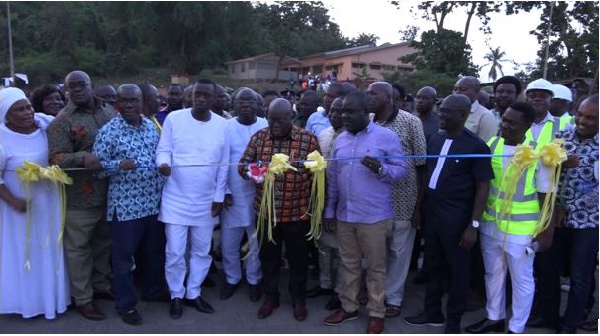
{"x":293,"y":234}
{"x":442,"y":252}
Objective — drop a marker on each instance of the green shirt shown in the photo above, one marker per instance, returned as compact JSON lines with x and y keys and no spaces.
{"x":70,"y":136}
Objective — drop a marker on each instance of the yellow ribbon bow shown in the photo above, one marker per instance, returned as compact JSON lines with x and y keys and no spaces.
{"x":317,"y":164}
{"x":279,"y":164}
{"x":553,"y":155}
{"x":523,"y":158}
{"x":32,"y":172}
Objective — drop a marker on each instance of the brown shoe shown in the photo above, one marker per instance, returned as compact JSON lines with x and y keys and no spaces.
{"x":267,"y":308}
{"x":300,"y":312}
{"x":340,"y":316}
{"x":91,"y":312}
{"x":375,"y":325}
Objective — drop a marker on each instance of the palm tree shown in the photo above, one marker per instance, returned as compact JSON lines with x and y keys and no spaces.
{"x":495,"y":58}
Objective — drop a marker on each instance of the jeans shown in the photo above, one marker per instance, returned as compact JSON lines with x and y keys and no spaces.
{"x":148,"y":234}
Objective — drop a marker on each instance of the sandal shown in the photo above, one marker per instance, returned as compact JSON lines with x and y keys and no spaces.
{"x":392,"y":311}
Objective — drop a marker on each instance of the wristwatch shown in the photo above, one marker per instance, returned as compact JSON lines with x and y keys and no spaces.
{"x":475,"y":224}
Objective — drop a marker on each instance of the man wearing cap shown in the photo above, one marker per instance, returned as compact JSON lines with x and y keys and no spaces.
{"x":539,"y":94}
{"x":561,"y":102}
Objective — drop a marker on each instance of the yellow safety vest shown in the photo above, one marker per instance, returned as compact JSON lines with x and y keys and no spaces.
{"x":525,"y":210}
{"x":548,"y":131}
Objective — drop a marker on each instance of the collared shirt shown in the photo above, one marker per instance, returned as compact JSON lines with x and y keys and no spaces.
{"x":132,"y":194}
{"x":354,"y":193}
{"x":317,"y":122}
{"x":70,"y":136}
{"x":292,"y":189}
{"x":578,"y":187}
{"x":482,"y":122}
{"x":410,"y":131}
{"x":536,"y":127}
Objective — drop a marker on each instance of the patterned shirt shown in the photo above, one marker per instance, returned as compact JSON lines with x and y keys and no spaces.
{"x":292,"y":189}
{"x":578,"y":187}
{"x":132,"y":194}
{"x":70,"y":136}
{"x":410,"y":131}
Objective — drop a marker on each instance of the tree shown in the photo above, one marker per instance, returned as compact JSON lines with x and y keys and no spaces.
{"x":442,"y":52}
{"x":495,"y":59}
{"x":363,"y":39}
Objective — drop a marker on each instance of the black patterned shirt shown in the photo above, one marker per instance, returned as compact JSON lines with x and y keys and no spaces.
{"x":578,"y":187}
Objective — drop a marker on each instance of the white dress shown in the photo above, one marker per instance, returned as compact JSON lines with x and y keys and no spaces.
{"x":241,"y":213}
{"x":44,"y":289}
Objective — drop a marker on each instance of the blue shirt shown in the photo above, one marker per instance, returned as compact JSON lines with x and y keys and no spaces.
{"x":132,"y":194}
{"x":354,"y":193}
{"x":317,"y":122}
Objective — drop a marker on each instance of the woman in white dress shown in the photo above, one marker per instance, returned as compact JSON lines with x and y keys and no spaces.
{"x":41,"y":287}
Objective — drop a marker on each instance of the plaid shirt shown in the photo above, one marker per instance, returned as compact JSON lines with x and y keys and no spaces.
{"x":292,"y":189}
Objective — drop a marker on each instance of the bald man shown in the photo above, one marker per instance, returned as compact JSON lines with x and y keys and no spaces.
{"x":480,"y":121}
{"x":455,"y":199}
{"x":107,"y":94}
{"x":291,"y":205}
{"x":424,"y":109}
{"x":128,"y":136}
{"x":87,"y":235}
{"x":405,"y":192}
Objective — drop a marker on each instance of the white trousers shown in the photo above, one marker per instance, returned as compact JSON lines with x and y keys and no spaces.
{"x":200,"y":260}
{"x":400,"y":248}
{"x":232,"y":263}
{"x":498,"y":257}
{"x":329,"y":262}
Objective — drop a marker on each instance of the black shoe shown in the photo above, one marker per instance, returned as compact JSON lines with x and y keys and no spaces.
{"x":227,"y":291}
{"x":539,"y":322}
{"x":589,"y":325}
{"x":486,"y":326}
{"x":208,"y":282}
{"x":254,"y":293}
{"x":334,"y":302}
{"x":200,"y":304}
{"x":318,"y":291}
{"x":132,"y":317}
{"x":423,"y":320}
{"x":176,"y":308}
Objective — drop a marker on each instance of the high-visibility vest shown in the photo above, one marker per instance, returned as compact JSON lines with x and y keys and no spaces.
{"x":525,"y":210}
{"x":569,"y":119}
{"x":548,"y":131}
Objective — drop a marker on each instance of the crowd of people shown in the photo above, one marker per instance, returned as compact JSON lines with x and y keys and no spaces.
{"x":150,"y":184}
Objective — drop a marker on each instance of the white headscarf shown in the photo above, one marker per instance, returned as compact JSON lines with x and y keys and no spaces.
{"x":9,"y":96}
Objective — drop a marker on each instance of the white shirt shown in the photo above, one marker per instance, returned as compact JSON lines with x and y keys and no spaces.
{"x":195,"y":151}
{"x":241,"y":213}
{"x":482,"y":122}
{"x":536,"y":128}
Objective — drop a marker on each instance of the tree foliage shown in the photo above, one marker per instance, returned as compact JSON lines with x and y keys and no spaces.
{"x":116,"y":38}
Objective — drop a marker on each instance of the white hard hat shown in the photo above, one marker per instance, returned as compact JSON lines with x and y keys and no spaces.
{"x":562,"y":92}
{"x":540,"y":84}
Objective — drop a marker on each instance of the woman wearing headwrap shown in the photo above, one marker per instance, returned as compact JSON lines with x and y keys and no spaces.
{"x":47,"y":99}
{"x":33,"y":279}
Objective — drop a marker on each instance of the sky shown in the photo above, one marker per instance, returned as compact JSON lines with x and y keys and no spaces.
{"x":379,"y":17}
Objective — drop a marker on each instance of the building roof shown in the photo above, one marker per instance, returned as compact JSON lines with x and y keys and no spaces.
{"x":355,"y":50}
{"x":271,"y":55}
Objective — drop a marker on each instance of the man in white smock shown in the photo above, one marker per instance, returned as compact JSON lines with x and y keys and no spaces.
{"x":239,"y":215}
{"x":191,"y":154}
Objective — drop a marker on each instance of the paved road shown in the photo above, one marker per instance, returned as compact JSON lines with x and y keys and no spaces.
{"x":234,"y":316}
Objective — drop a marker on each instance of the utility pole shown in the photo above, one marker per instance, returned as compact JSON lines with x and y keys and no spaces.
{"x":545,"y":71}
